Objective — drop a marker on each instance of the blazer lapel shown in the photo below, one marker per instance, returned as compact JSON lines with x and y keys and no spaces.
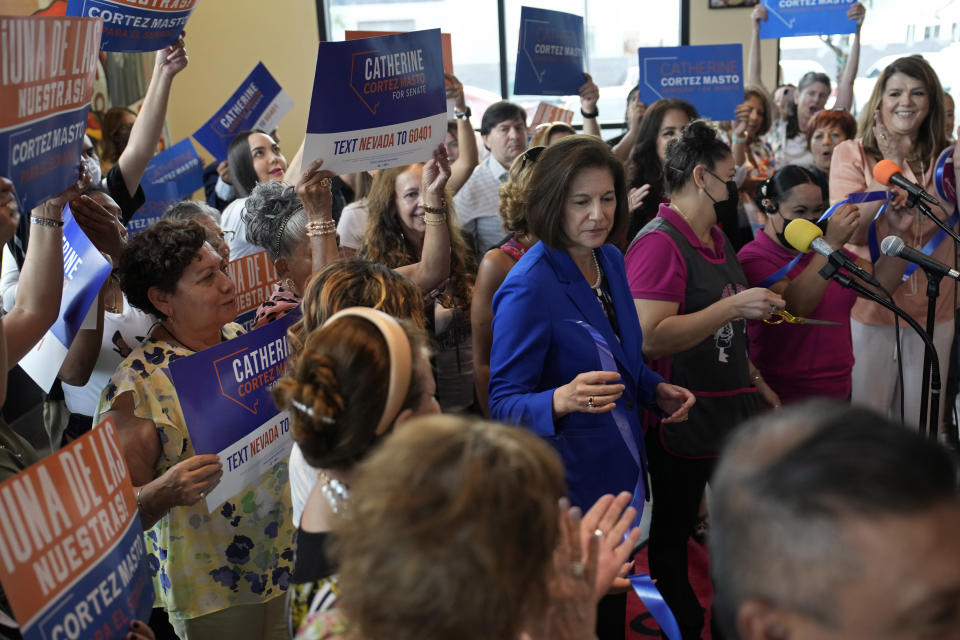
{"x":586,"y":302}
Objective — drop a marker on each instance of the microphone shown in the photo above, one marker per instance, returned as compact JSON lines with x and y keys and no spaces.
{"x":894,"y":246}
{"x":888,"y":174}
{"x":803,"y":236}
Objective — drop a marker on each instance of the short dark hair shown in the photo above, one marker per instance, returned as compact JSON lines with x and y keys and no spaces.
{"x":784,"y":487}
{"x":697,"y":144}
{"x":157,"y":257}
{"x":499,"y":112}
{"x":242,"y":173}
{"x":550,"y":182}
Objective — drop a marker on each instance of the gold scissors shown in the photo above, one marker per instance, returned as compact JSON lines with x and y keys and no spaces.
{"x":782,"y":315}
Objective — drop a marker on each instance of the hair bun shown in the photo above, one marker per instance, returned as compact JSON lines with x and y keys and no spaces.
{"x":698,"y":134}
{"x":312,"y":396}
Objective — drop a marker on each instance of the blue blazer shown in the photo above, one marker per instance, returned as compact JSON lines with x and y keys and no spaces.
{"x":537,"y":347}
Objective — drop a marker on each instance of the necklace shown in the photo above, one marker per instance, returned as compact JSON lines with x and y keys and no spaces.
{"x":334,"y":491}
{"x":596,"y":263}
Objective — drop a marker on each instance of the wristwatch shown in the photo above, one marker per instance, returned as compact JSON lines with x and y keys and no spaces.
{"x":463,"y":115}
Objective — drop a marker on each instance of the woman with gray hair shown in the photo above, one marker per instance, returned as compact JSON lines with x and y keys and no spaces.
{"x":295,"y":226}
{"x":207,"y":216}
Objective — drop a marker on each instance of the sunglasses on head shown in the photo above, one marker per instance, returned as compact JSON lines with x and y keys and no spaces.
{"x":531,"y":155}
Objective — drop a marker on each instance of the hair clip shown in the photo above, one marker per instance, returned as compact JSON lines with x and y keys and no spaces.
{"x":302,"y":408}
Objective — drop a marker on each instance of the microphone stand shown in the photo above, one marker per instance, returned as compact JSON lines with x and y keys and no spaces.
{"x":914,"y":201}
{"x":930,"y":387}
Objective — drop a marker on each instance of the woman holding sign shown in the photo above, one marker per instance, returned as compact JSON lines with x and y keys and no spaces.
{"x":902,"y":122}
{"x":217,"y":574}
{"x":789,"y":135}
{"x":412,"y":228}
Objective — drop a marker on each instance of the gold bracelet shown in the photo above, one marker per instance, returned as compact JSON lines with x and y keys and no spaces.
{"x":441,"y":209}
{"x":435,"y":219}
{"x":140,"y":504}
{"x":321,"y":228}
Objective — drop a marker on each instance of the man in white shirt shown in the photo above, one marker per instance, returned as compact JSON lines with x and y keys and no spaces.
{"x":504,"y":133}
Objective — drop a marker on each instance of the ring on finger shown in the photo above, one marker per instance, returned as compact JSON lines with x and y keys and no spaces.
{"x":325,"y":183}
{"x":202,"y":495}
{"x":598,"y":532}
{"x":577,"y":569}
{"x":590,"y":402}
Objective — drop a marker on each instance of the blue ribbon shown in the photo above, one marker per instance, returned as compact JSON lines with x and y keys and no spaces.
{"x":946,"y":157}
{"x":854,"y":198}
{"x":648,"y":593}
{"x":607,"y":363}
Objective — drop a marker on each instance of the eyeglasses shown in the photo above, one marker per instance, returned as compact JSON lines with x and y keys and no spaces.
{"x":531,"y":155}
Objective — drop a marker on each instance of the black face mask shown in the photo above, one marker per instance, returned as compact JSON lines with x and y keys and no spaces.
{"x":726,"y":210}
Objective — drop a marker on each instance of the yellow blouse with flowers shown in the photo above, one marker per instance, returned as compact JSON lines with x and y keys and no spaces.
{"x":202,"y":562}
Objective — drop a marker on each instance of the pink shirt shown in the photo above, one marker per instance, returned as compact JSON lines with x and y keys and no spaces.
{"x":800,"y":361}
{"x":655,"y":267}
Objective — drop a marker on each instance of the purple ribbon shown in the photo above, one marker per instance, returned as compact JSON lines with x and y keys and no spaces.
{"x":648,"y":593}
{"x":607,"y":363}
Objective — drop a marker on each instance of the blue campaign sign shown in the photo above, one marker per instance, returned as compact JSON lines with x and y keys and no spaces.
{"x":710,"y":77}
{"x":173,"y":174}
{"x":224,"y":393}
{"x":377,"y":102}
{"x":788,"y":18}
{"x":43,"y":110}
{"x":224,"y":390}
{"x":84,"y":272}
{"x":258,"y":103}
{"x":550,"y":53}
{"x":136,"y":25}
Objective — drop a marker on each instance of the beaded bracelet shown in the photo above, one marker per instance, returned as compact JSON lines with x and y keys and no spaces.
{"x":442,"y":209}
{"x":321,"y":228}
{"x":46,"y":222}
{"x":435,"y":219}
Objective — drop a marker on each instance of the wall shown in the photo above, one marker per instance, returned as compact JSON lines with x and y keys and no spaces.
{"x":729,"y":26}
{"x":225,"y":40}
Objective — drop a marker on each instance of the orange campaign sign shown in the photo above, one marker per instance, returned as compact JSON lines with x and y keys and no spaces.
{"x":254,"y":276}
{"x":47,"y":69}
{"x":445,"y":44}
{"x":548,"y":113}
{"x":72,"y":554}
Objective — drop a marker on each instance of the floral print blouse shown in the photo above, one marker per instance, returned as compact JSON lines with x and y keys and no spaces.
{"x":202,"y":562}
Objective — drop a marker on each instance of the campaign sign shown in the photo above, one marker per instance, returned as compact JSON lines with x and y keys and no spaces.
{"x":72,"y":557}
{"x":446,"y":43}
{"x":254,"y":277}
{"x":84,"y":272}
{"x":258,"y":103}
{"x":550,"y":53}
{"x":46,"y":80}
{"x":173,"y":174}
{"x":786,"y":18}
{"x":224,"y":393}
{"x":377,"y":102}
{"x":136,"y":25}
{"x":548,"y":114}
{"x":710,"y":77}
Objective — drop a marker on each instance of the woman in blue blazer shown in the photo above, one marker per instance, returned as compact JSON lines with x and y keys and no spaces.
{"x":566,"y":359}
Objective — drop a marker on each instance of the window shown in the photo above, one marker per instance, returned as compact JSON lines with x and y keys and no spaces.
{"x":883,"y":40}
{"x":614,"y":29}
{"x":472,"y":27}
